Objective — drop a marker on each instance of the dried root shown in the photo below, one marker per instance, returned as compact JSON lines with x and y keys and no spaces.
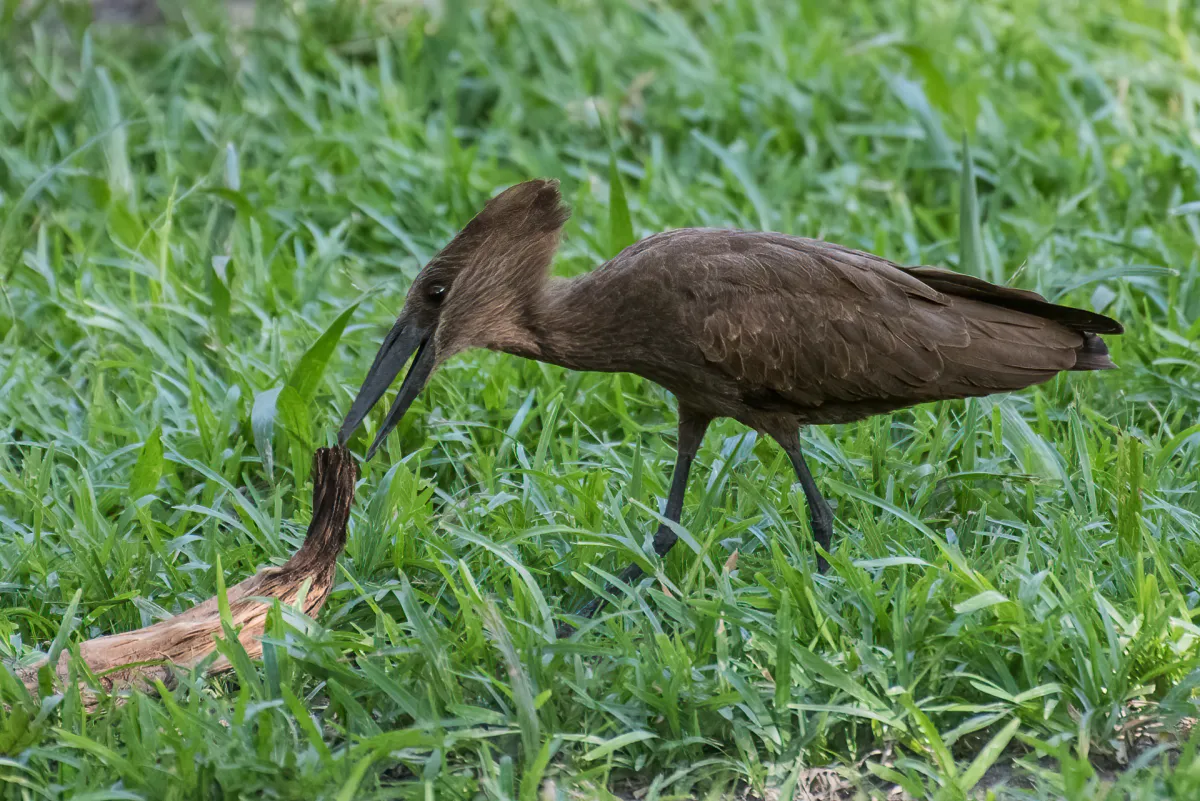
{"x":137,"y":658}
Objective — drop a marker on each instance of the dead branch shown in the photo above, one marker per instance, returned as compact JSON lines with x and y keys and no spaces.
{"x":136,"y":658}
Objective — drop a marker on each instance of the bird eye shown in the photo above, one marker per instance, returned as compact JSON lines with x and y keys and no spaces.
{"x":437,"y":293}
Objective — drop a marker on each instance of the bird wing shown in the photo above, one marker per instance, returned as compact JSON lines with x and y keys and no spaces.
{"x":810,"y":324}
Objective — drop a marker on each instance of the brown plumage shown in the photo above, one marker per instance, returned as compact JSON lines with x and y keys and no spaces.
{"x":772,"y":330}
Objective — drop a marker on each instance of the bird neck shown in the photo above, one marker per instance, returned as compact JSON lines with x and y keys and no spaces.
{"x":561,"y":323}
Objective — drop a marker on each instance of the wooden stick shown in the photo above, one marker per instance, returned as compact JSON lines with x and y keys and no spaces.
{"x":136,"y":658}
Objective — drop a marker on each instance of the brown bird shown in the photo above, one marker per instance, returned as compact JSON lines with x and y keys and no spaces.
{"x":772,"y":330}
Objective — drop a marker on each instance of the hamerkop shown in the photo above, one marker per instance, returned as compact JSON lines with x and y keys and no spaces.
{"x":772,"y":330}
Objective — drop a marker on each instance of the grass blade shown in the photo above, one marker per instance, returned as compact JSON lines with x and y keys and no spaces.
{"x":620,"y":226}
{"x":970,"y":232}
{"x":311,"y":368}
{"x":987,"y":756}
{"x":149,"y":467}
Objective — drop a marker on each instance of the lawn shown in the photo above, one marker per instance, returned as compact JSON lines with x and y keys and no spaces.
{"x":206,"y":229}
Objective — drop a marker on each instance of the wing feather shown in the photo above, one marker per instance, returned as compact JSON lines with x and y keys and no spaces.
{"x":817,"y":324}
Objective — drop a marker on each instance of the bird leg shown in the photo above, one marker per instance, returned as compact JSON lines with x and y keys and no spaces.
{"x":820,"y":516}
{"x":691,"y":433}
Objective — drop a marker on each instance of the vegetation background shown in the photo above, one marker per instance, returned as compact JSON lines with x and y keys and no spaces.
{"x":206,"y":227}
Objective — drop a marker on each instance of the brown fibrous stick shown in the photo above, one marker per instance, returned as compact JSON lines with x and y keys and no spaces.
{"x":135,"y":659}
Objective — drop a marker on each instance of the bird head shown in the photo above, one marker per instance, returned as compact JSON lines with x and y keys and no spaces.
{"x":476,"y":292}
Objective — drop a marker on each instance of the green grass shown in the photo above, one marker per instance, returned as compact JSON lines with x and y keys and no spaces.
{"x":184,"y":212}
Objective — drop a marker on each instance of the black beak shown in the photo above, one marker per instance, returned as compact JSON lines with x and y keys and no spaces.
{"x":401,"y":342}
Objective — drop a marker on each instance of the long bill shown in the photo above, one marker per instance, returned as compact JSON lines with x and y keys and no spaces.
{"x":400,"y":344}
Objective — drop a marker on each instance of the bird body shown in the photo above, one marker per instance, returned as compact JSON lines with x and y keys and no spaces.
{"x":772,"y":330}
{"x":779,"y":331}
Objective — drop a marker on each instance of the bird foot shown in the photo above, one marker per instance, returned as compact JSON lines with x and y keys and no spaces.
{"x":589,"y":610}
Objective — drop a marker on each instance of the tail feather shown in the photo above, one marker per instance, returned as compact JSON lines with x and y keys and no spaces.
{"x":1093,"y":355}
{"x":968,"y":286}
